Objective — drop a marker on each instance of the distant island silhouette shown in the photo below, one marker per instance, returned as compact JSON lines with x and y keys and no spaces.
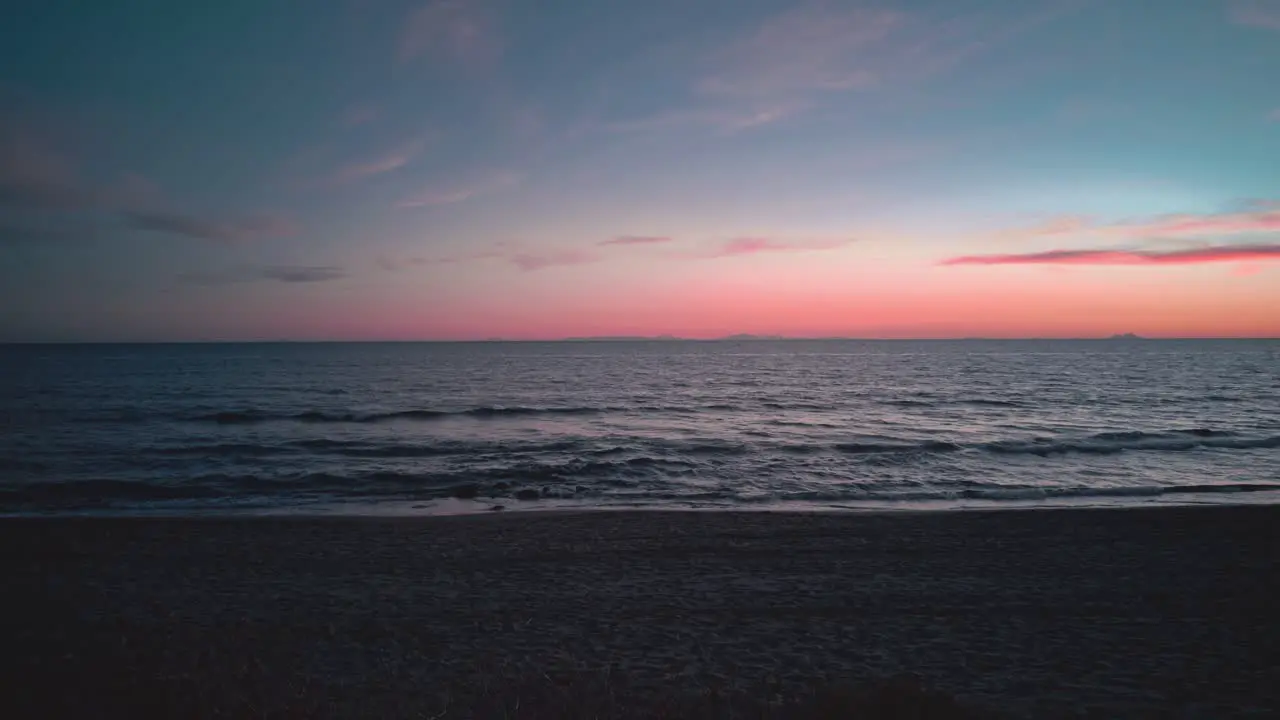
{"x":1126,"y":336}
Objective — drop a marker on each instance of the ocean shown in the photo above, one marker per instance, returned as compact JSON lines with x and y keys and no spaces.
{"x":422,"y":428}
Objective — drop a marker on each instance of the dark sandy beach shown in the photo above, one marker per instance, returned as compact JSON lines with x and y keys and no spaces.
{"x":1167,"y":612}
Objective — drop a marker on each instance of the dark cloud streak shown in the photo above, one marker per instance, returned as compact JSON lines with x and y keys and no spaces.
{"x":256,"y":227}
{"x":1215,"y":254}
{"x":635,"y":240}
{"x":292,"y":274}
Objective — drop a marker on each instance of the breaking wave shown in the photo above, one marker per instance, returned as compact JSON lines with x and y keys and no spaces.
{"x":629,"y":482}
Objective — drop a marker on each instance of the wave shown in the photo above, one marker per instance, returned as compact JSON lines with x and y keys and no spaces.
{"x":887,"y":448}
{"x":1098,"y":444}
{"x":994,"y":493}
{"x":250,"y":416}
{"x":1118,"y":442}
{"x":532,"y":485}
{"x":245,"y":417}
{"x":975,"y":402}
{"x":863,"y":448}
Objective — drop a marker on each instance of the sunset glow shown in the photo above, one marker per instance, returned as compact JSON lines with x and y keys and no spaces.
{"x":474,"y":169}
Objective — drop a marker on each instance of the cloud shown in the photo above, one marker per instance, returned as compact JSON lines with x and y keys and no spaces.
{"x":462,"y":31}
{"x":1274,"y":116}
{"x":1193,"y":256}
{"x":388,"y":162}
{"x":635,"y":240}
{"x":755,"y":245}
{"x":132,"y":192}
{"x":814,"y":47}
{"x":276,"y":273}
{"x":728,"y":120}
{"x":32,"y":176}
{"x":302,"y":273}
{"x":1256,"y":13}
{"x":529,"y":262}
{"x":246,"y":229}
{"x":392,"y":264}
{"x":796,"y":59}
{"x":1258,"y":205}
{"x":24,"y":235}
{"x":1254,"y":217}
{"x":450,"y":194}
{"x":357,"y":115}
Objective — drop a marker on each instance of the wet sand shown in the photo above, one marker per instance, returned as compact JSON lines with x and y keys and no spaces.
{"x":1161,"y":612}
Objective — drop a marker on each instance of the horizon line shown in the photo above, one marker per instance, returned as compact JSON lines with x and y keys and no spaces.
{"x":648,"y":339}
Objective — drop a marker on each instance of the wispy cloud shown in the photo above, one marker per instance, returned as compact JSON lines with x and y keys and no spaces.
{"x":1213,"y":254}
{"x":538,"y":261}
{"x":132,"y":192}
{"x":636,"y":240}
{"x":756,"y":245}
{"x":725,"y":119}
{"x":1258,"y":205}
{"x":360,"y":114}
{"x":246,"y":229}
{"x":793,"y":61}
{"x":389,"y":161}
{"x":458,"y":30}
{"x":1257,"y":217}
{"x":528,"y":259}
{"x":1274,"y":116}
{"x":24,"y":235}
{"x":275,"y":273}
{"x":33,"y":176}
{"x":448,"y":194}
{"x":395,"y":264}
{"x":523,"y":258}
{"x":1256,"y":13}
{"x":302,"y":273}
{"x":815,"y":47}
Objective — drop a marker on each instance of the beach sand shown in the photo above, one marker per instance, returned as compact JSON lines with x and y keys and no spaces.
{"x":1161,"y":612}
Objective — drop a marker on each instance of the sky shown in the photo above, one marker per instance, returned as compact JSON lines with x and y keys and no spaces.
{"x":521,"y":169}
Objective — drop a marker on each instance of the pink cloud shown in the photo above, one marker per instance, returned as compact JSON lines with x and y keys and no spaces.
{"x":356,"y":115}
{"x":636,"y":240}
{"x":756,"y":245}
{"x":133,"y":192}
{"x":823,"y":46}
{"x":1274,"y":116}
{"x":1221,"y":253}
{"x":538,"y":261}
{"x":1258,"y":205}
{"x":728,"y":120}
{"x":1247,"y":270}
{"x":32,"y":175}
{"x":391,"y":161}
{"x":460,"y":30}
{"x":450,"y":194}
{"x":1259,"y":216}
{"x":813,"y":47}
{"x":1256,"y":13}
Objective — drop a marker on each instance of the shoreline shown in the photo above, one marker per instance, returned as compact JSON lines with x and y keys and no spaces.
{"x":1036,"y":614}
{"x":1253,"y":495}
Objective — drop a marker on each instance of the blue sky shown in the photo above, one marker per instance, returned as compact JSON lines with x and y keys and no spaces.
{"x":476,"y":168}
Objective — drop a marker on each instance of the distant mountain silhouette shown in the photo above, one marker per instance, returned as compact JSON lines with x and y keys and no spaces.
{"x":621,"y":338}
{"x":1126,"y":336}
